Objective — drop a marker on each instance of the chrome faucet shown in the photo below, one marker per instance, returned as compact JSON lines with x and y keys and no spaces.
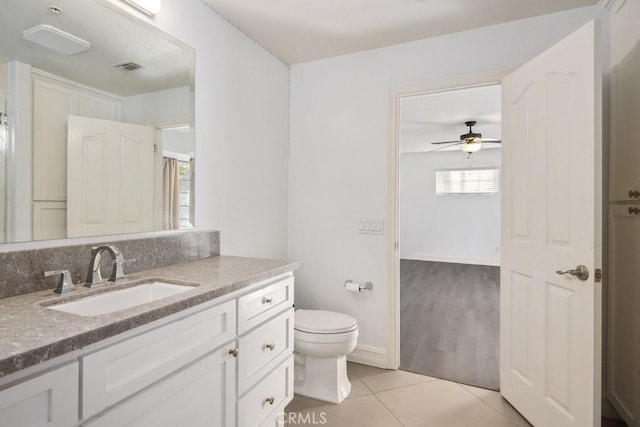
{"x":94,"y":278}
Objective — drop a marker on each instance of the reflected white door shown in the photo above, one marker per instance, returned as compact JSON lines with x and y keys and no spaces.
{"x":110,"y":178}
{"x":550,"y":338}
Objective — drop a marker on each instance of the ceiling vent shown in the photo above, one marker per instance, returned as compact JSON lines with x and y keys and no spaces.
{"x":128,"y":66}
{"x":56,"y":39}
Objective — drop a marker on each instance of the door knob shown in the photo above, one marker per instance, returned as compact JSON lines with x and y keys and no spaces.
{"x":581,"y":272}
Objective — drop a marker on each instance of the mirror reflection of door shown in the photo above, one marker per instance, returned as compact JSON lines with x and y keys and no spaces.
{"x":111,"y":191}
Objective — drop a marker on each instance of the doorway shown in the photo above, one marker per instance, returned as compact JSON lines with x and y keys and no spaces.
{"x":449,"y":221}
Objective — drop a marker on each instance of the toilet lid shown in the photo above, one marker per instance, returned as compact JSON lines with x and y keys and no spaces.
{"x":323,"y":322}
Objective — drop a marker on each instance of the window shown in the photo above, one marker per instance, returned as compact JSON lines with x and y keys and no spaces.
{"x":184,"y":171}
{"x":468,"y":181}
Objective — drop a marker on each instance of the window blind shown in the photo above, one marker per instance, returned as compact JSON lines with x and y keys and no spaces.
{"x":468,"y":181}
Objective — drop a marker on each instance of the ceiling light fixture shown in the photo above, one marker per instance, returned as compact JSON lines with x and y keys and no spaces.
{"x":148,"y":7}
{"x":56,"y":39}
{"x":471,"y":141}
{"x":471,"y":146}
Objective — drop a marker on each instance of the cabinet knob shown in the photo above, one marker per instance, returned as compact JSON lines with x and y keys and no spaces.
{"x":270,"y":400}
{"x":634,"y":193}
{"x":234,"y":352}
{"x":270,"y":346}
{"x":267,"y":300}
{"x":633,"y":211}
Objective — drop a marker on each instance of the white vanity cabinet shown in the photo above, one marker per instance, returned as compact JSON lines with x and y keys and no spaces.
{"x":49,"y":399}
{"x":227,"y":362}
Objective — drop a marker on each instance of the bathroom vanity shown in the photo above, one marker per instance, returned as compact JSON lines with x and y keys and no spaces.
{"x":218,"y":354}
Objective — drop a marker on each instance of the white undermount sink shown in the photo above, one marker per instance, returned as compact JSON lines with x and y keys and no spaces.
{"x":112,"y":301}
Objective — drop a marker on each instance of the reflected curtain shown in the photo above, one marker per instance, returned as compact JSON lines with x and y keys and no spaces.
{"x":170,"y":194}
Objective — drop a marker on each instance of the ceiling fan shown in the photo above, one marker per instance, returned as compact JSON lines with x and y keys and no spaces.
{"x":471,"y":141}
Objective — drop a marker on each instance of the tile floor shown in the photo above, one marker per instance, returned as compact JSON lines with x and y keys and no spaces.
{"x":386,"y":398}
{"x":398,"y":398}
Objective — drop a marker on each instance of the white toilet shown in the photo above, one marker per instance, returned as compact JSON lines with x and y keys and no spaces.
{"x":322,"y":340}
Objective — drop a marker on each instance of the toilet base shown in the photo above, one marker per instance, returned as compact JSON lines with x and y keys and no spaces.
{"x":322,"y":378}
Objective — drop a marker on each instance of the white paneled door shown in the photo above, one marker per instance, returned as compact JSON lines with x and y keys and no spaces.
{"x":110,"y":178}
{"x":550,"y":338}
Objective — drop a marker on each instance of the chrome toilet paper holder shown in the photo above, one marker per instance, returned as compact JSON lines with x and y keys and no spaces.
{"x":367,"y":285}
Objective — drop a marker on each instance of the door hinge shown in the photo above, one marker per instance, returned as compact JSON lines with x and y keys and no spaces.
{"x":598,"y":275}
{"x":155,"y":148}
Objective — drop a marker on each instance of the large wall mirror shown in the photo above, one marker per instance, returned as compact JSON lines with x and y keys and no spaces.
{"x":96,"y":122}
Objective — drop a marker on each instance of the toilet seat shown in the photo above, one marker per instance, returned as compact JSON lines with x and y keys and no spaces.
{"x":325,"y":338}
{"x":323,"y":322}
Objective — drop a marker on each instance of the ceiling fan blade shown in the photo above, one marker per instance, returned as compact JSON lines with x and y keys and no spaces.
{"x":447,"y":142}
{"x":497,"y":141}
{"x":445,"y":146}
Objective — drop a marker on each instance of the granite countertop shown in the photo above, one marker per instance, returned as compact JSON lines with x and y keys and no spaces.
{"x":30,"y":333}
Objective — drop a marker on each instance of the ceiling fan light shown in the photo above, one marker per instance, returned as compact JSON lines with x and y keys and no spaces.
{"x":470,"y":147}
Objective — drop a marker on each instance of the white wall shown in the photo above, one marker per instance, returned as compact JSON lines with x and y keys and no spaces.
{"x":164,"y":107}
{"x":242,"y":110}
{"x":462,"y":228}
{"x":340,"y":127}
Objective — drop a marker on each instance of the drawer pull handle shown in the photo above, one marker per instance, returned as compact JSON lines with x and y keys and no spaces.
{"x":270,"y":346}
{"x":634,"y":193}
{"x":270,"y":400}
{"x":267,"y":301}
{"x":234,"y":352}
{"x":634,"y":211}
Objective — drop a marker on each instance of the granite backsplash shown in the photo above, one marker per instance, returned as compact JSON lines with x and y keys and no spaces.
{"x":21,"y":272}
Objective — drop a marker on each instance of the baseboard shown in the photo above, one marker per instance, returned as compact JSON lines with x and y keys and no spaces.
{"x":366,"y":355}
{"x":456,"y":260}
{"x":608,"y":410}
{"x":620,"y":411}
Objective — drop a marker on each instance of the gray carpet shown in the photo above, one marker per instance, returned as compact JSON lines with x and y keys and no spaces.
{"x":449,"y":321}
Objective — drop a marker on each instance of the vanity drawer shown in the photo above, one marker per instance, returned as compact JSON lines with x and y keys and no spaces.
{"x":272,"y":393}
{"x":260,"y":305}
{"x":264,"y":348}
{"x":118,"y":371}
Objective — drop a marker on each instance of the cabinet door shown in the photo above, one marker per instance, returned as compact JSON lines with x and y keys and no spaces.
{"x":52,"y":104}
{"x":98,"y":107}
{"x":124,"y":369}
{"x":624,"y":315}
{"x":625,"y":102}
{"x":49,"y":220}
{"x":202,"y":394}
{"x":50,"y":399}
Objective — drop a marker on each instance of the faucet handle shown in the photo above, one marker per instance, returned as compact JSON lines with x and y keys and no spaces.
{"x":65,"y":284}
